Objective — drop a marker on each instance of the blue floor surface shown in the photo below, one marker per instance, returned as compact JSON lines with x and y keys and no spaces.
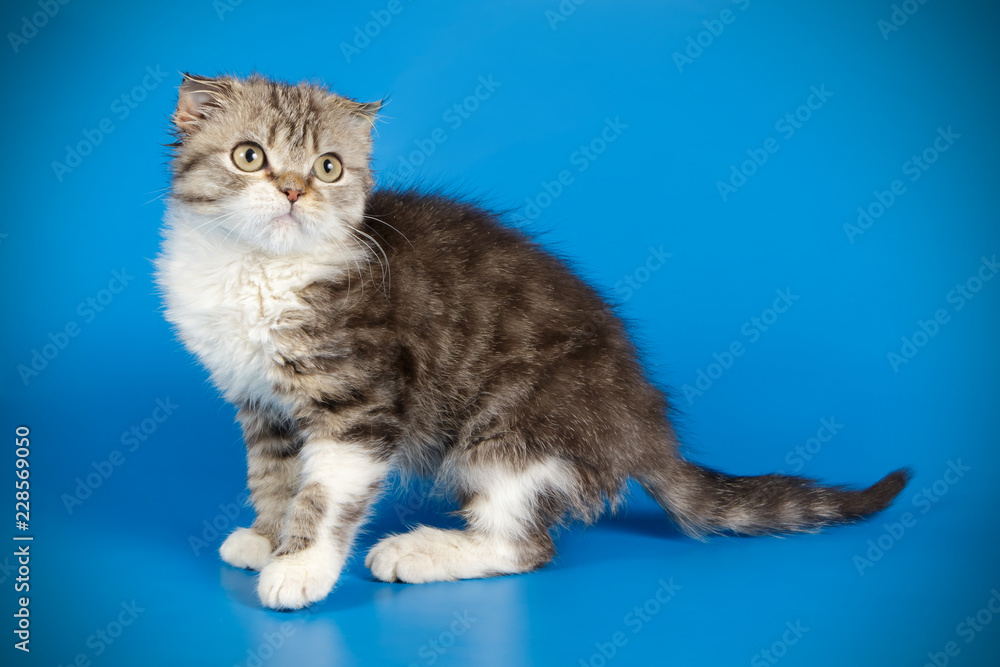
{"x":795,"y":204}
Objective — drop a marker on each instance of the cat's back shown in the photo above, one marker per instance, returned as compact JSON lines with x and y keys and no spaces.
{"x":451,"y":239}
{"x":464,"y":280}
{"x":440,"y":222}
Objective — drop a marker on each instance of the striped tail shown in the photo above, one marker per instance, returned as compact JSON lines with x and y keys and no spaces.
{"x":703,"y":501}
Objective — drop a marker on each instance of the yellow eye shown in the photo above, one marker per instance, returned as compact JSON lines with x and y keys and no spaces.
{"x":328,"y":168}
{"x":248,"y":157}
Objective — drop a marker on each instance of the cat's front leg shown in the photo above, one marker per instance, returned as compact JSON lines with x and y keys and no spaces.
{"x":338,"y":483}
{"x":272,"y":476}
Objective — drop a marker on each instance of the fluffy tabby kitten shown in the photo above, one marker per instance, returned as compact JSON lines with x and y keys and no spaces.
{"x":360,"y":331}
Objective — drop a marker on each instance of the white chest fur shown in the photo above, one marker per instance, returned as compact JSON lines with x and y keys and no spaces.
{"x":230,"y":305}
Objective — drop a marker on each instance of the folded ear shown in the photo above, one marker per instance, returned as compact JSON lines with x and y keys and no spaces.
{"x":197,"y":97}
{"x":365,"y":112}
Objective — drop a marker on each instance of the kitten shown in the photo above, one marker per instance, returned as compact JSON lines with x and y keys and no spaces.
{"x":361,"y":331}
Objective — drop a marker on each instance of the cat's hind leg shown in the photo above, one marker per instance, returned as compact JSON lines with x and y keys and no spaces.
{"x":508,"y":509}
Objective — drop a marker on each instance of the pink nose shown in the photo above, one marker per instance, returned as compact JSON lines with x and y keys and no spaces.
{"x":293,"y":195}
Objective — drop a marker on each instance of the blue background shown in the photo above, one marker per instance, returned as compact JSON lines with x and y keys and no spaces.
{"x":559,"y":78}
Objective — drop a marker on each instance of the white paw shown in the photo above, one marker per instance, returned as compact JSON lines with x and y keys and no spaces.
{"x":245,"y":548}
{"x":429,"y":554}
{"x":296,"y":580}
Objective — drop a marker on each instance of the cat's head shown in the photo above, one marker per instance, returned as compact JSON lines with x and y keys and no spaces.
{"x":282,"y":168}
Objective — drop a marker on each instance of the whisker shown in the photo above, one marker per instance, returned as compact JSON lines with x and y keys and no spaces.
{"x":163,"y":193}
{"x":386,"y":270}
{"x":160,"y":196}
{"x":221,"y":218}
{"x":354,"y":256}
{"x":368,"y":258}
{"x":245,"y":224}
{"x":372,"y":217}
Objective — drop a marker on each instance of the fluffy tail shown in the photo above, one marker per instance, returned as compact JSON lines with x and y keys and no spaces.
{"x":704,"y":501}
